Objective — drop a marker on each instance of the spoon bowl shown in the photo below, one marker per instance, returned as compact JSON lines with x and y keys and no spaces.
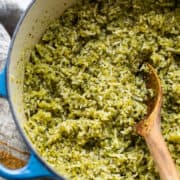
{"x":149,"y":128}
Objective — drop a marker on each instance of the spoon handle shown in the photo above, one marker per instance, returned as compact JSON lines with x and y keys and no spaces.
{"x":161,"y":155}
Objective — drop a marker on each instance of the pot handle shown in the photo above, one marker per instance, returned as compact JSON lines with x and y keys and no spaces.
{"x":33,"y":169}
{"x":3,"y":88}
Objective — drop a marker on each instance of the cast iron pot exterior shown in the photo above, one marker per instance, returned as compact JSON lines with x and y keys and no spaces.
{"x":28,"y":31}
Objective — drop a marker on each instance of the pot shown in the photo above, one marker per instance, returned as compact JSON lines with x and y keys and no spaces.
{"x":28,"y":31}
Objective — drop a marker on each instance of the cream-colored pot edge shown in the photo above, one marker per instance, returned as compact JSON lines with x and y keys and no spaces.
{"x":28,"y":32}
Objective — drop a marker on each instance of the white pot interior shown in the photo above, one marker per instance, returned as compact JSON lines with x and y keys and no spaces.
{"x":30,"y":29}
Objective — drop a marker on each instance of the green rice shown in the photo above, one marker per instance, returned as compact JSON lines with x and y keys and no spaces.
{"x":84,"y":90}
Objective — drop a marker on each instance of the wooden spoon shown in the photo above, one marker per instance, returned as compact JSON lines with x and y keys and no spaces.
{"x":149,"y":128}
